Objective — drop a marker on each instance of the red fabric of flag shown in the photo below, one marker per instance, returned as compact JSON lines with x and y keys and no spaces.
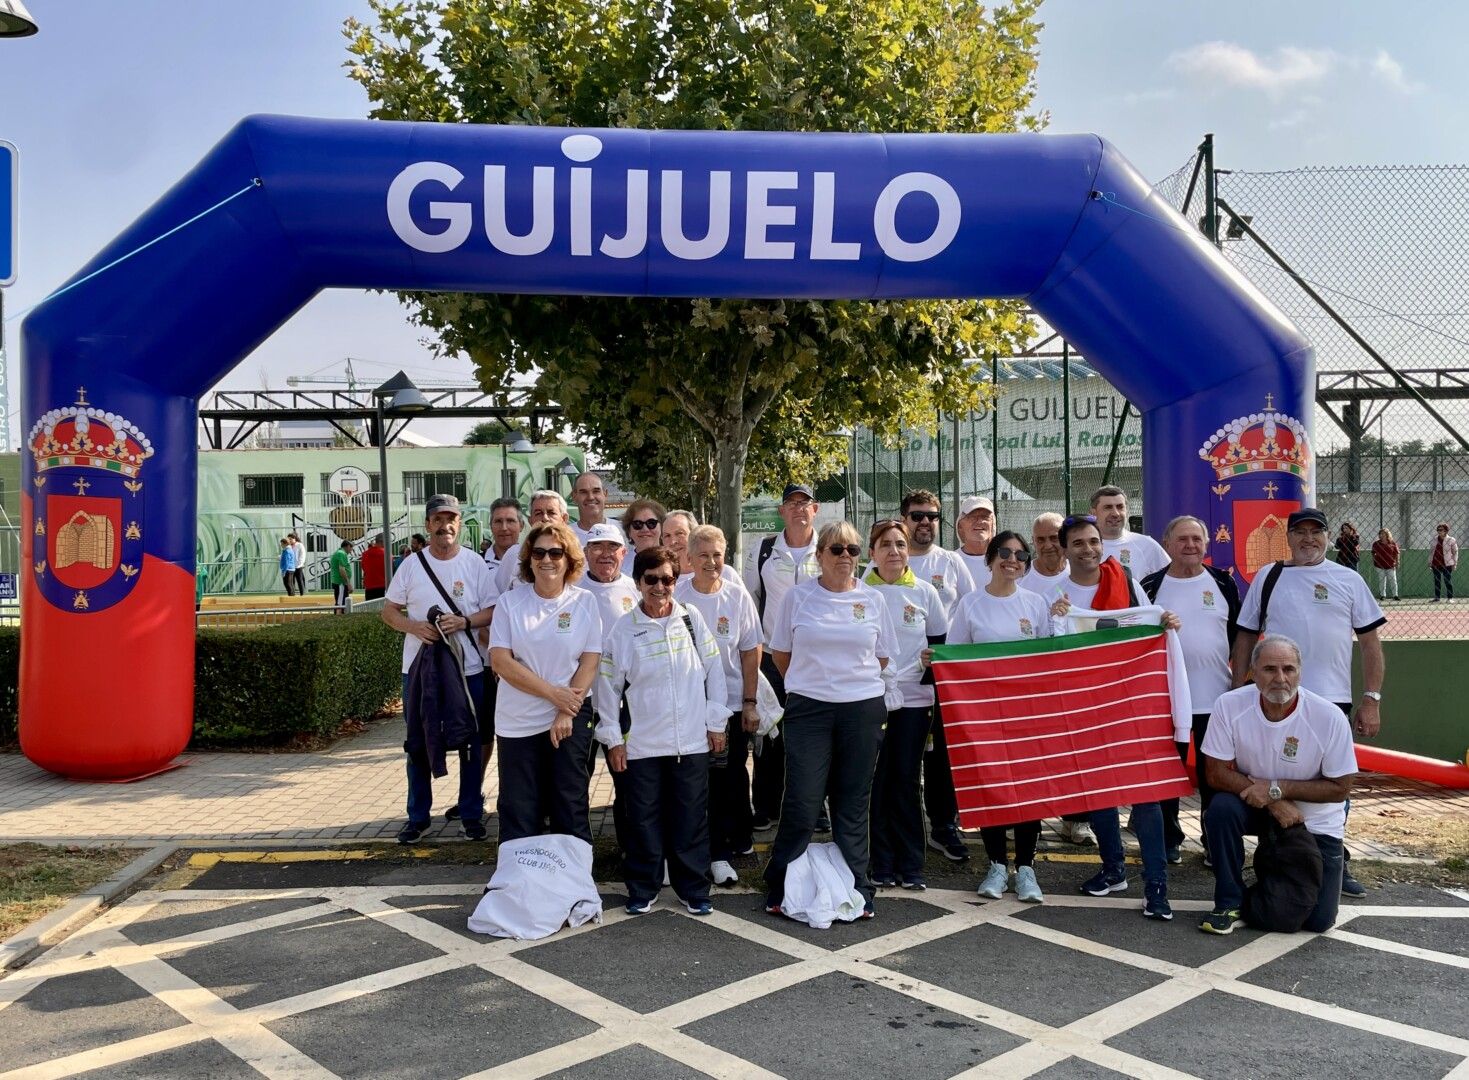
{"x":1041,"y":728}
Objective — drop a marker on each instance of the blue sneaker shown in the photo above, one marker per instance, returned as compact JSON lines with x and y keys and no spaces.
{"x":639,"y":907}
{"x":699,"y":907}
{"x":1104,"y":882}
{"x":1155,"y":903}
{"x":869,"y":911}
{"x":885,"y":879}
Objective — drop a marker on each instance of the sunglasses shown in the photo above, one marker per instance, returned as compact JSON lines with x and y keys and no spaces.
{"x":645,"y":523}
{"x":659,"y":579}
{"x":924,"y":515}
{"x":1012,"y":553}
{"x":839,"y":550}
{"x":556,"y":554}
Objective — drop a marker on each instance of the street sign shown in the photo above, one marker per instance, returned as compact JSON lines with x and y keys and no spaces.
{"x":8,"y":589}
{"x":9,"y":210}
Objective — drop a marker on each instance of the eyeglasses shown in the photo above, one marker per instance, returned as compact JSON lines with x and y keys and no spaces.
{"x":838,"y":550}
{"x":924,"y":515}
{"x":555,"y":554}
{"x":645,"y":523}
{"x":1017,"y":554}
{"x":659,"y":579}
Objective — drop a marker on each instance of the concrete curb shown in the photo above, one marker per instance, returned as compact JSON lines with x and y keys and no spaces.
{"x":20,"y":948}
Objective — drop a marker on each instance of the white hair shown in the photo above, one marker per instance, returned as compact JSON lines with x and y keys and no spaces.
{"x":1274,"y":639}
{"x":547,"y":493}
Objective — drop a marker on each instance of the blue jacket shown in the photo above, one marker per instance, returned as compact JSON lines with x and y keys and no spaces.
{"x":438,"y":710}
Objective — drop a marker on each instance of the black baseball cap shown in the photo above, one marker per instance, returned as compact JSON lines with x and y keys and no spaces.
{"x":1303,"y":515}
{"x":797,"y":489}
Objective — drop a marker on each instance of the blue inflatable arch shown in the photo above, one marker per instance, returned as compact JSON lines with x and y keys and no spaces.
{"x":114,"y":367}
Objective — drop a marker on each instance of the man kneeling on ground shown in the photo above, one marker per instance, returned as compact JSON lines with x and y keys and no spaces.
{"x":1278,"y":750}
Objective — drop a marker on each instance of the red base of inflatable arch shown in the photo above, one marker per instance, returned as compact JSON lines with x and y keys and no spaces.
{"x":1449,"y":774}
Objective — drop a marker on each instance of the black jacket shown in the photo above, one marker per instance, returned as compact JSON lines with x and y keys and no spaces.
{"x":1227,"y":588}
{"x":438,"y":710}
{"x":1288,"y":871}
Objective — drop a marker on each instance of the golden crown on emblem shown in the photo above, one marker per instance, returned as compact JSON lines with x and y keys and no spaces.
{"x":86,"y":436}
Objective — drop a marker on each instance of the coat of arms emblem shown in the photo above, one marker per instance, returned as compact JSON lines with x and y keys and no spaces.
{"x":89,"y":519}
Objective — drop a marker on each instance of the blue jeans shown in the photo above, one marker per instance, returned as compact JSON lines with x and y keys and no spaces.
{"x":471,"y":771}
{"x":1147,"y":822}
{"x":1226,"y":822}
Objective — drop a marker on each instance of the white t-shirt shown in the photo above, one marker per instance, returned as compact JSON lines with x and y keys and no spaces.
{"x":728,"y":573}
{"x":549,"y":637}
{"x":1138,"y":552}
{"x":984,"y":617}
{"x":835,"y":640}
{"x":464,"y":577}
{"x":581,"y":533}
{"x":1318,"y":607}
{"x":979,"y":572}
{"x":614,"y":598}
{"x":917,"y":614}
{"x":507,"y":574}
{"x":729,"y":613}
{"x":786,"y":567}
{"x":1203,"y":632}
{"x":1313,"y":742}
{"x":1047,"y":585}
{"x":946,"y":572}
{"x":1080,"y":595}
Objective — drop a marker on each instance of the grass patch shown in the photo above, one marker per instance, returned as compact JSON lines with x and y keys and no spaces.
{"x":35,"y":879}
{"x":1443,"y":839}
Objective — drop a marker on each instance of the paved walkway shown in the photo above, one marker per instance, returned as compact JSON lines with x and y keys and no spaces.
{"x":376,"y":975}
{"x":355,"y":790}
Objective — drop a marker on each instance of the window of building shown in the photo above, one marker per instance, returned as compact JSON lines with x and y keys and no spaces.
{"x":420,"y":485}
{"x":274,"y":490}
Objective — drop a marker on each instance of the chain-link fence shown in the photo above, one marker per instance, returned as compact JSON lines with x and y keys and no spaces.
{"x":1386,"y":250}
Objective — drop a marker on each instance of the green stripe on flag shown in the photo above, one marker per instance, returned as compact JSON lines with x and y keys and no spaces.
{"x":1029,"y":647}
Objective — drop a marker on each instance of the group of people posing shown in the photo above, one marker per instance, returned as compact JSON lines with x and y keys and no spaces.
{"x":637,"y":641}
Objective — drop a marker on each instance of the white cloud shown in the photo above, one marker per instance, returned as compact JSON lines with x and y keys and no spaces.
{"x":1388,"y":71}
{"x":1224,"y":62}
{"x":1294,"y":118}
{"x":1145,"y":97}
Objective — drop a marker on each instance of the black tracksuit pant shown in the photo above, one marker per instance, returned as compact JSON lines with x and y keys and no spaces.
{"x":667,"y":817}
{"x":538,"y":781}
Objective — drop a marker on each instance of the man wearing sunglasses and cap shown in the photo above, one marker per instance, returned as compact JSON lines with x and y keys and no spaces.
{"x":975,"y":527}
{"x":772,"y":568}
{"x":455,"y":580}
{"x":1319,"y":605}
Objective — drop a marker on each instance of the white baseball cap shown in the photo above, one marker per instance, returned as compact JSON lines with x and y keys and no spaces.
{"x":604,"y":532}
{"x":971,"y":503}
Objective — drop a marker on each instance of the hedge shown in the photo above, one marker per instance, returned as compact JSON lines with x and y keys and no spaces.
{"x":263,"y":686}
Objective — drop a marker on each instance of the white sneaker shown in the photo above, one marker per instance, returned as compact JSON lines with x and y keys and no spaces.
{"x":1026,"y":886}
{"x":723,"y":873}
{"x":995,"y":881}
{"x":1077,"y":832}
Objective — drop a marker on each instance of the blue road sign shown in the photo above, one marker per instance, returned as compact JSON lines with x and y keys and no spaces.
{"x":8,"y":590}
{"x":9,"y":209}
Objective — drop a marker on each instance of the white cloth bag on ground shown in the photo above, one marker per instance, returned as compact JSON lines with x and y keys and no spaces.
{"x":540,"y":884}
{"x":820,"y":889}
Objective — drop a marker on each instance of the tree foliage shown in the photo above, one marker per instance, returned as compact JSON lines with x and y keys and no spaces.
{"x":680,"y":394}
{"x":487,"y":433}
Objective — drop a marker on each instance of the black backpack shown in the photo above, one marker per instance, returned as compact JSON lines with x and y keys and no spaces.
{"x":1288,"y":872}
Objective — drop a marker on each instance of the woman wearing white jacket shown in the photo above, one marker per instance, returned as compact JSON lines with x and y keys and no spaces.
{"x":665,"y":660}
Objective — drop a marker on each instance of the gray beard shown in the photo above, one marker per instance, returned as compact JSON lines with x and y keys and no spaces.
{"x":1279,"y":697}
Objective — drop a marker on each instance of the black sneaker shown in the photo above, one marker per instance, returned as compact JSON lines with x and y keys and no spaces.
{"x":948,"y":840}
{"x":1351,"y":887}
{"x":884,"y":879}
{"x":412,"y":831}
{"x":452,"y":814}
{"x":474,"y":830}
{"x":1221,"y":922}
{"x":913,"y":883}
{"x":761,"y":823}
{"x":869,"y":911}
{"x":823,"y":823}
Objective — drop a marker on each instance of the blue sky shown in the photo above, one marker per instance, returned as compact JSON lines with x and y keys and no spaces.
{"x":115,"y":99}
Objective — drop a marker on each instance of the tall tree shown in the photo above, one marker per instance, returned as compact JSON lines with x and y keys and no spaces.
{"x":765,"y":386}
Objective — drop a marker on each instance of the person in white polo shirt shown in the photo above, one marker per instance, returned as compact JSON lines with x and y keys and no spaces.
{"x":505,"y":526}
{"x":1001,"y":611}
{"x":946,"y":572}
{"x":975,"y":529}
{"x":545,"y":644}
{"x":642,"y":524}
{"x":730,"y":615}
{"x":545,"y":506}
{"x":772,"y":568}
{"x":1048,"y":558}
{"x":1319,"y":605}
{"x":664,"y":660}
{"x":831,"y":640}
{"x":1207,"y":602}
{"x":590,"y":497}
{"x":461,"y":573}
{"x":919,"y":620}
{"x":1275,"y":749}
{"x":1138,"y":552}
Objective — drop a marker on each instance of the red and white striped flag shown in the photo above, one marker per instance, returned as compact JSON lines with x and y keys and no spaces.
{"x":1050,"y":726}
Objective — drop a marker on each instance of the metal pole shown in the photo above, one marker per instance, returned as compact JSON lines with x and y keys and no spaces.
{"x":1381,"y":486}
{"x":958,"y":477}
{"x":1193,"y":180}
{"x":1116,"y":438}
{"x":994,"y":427}
{"x":1404,"y":384}
{"x":1211,"y":191}
{"x":382,"y":458}
{"x":1066,"y":421}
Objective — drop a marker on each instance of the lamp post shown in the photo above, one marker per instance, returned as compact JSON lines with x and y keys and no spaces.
{"x":511,"y":441}
{"x":15,"y":20}
{"x":407,"y":400}
{"x":566,"y":469}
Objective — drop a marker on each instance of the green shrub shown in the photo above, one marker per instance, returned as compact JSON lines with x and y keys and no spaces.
{"x":263,"y":686}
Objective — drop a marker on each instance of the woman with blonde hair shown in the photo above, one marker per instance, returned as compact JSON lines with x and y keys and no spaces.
{"x":832,"y":641}
{"x":545,"y":643}
{"x":642,"y":524}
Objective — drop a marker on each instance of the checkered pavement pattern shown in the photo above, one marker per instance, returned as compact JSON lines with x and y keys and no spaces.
{"x":385,"y":980}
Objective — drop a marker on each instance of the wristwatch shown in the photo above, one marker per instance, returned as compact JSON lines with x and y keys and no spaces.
{"x":1375,"y":695}
{"x":1274,"y":791}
